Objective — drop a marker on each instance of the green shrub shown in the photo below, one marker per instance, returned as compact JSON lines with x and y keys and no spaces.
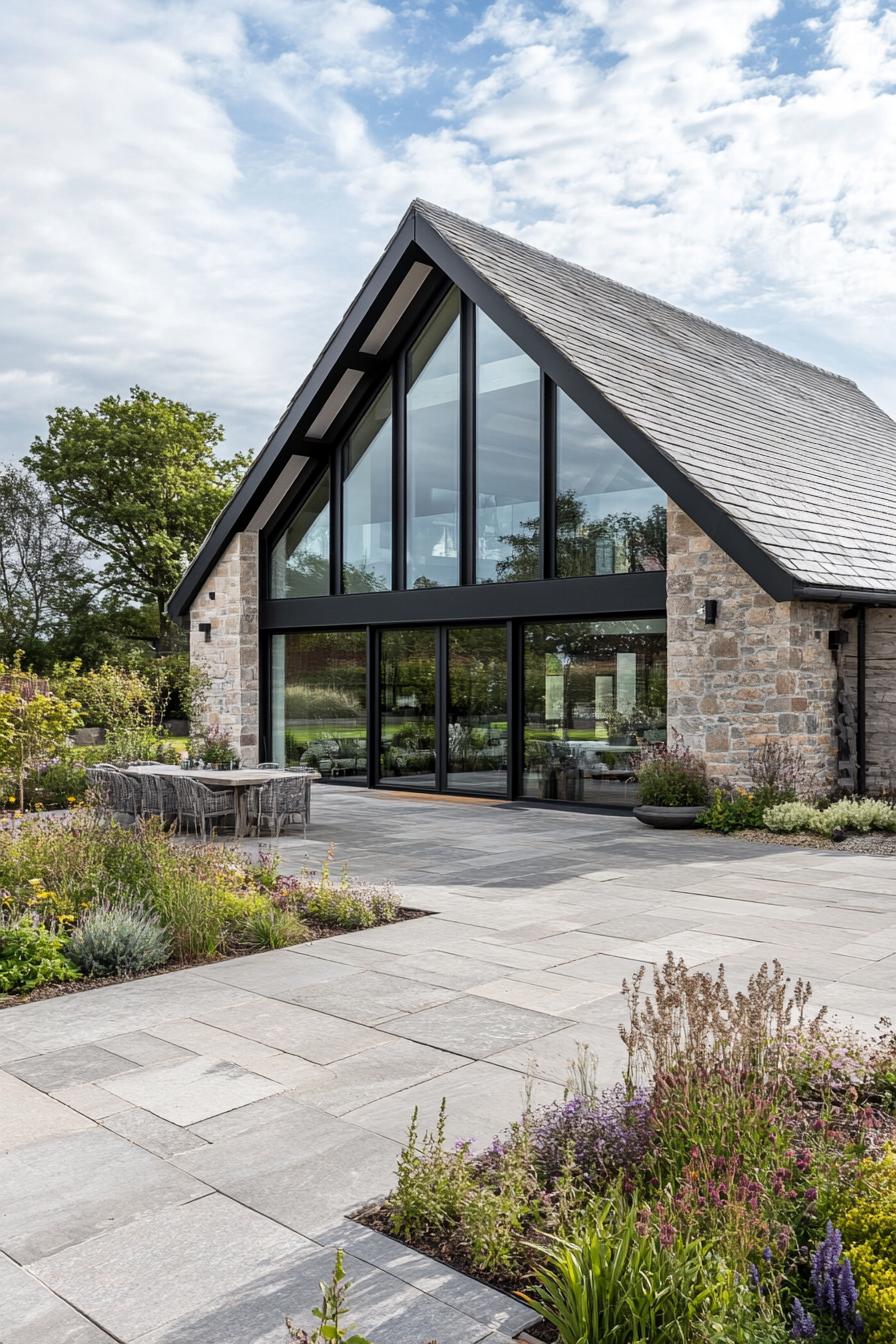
{"x":321,"y":702}
{"x":122,"y":939}
{"x":788,"y":817}
{"x":30,"y":956}
{"x":740,"y":810}
{"x":672,"y":776}
{"x":57,"y":784}
{"x":849,"y":814}
{"x":869,"y":1238}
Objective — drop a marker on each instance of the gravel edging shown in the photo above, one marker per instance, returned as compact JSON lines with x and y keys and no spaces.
{"x":875,"y":843}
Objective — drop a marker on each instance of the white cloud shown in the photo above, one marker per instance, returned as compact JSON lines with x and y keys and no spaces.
{"x":193,"y":190}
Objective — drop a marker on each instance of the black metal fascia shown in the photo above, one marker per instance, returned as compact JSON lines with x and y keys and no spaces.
{"x":543,"y":599}
{"x":717,"y":524}
{"x":373,"y":297}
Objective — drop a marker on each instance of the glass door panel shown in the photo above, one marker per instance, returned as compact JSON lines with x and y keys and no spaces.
{"x":477,"y":709}
{"x":408,"y":708}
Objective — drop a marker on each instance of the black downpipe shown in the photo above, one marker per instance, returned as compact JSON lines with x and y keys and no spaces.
{"x":861,"y":746}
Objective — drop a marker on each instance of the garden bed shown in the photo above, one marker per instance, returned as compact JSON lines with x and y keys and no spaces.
{"x":737,"y":1186}
{"x":84,"y":903}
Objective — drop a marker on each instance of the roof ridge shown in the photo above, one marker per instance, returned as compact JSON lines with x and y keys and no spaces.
{"x":418,"y":203}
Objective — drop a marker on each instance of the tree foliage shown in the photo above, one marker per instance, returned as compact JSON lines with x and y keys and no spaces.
{"x":137,"y":478}
{"x":46,"y":587}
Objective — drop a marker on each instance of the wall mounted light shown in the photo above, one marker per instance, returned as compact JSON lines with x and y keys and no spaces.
{"x":211,"y":597}
{"x":836,"y":639}
{"x":709,"y":610}
{"x":205,"y":628}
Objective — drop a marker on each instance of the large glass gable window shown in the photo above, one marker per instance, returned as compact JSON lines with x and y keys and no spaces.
{"x":611,"y":518}
{"x":508,"y":513}
{"x":300,"y":559}
{"x":367,"y":501}
{"x":433,"y":451}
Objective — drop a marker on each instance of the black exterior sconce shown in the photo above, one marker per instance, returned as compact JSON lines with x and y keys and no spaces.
{"x":709,"y":610}
{"x":205,"y":628}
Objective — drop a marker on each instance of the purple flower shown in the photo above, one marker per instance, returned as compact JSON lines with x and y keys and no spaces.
{"x":802,"y":1325}
{"x":834,"y":1284}
{"x":602,"y":1136}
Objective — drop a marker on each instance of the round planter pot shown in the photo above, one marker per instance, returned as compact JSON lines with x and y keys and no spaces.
{"x":668,"y":818}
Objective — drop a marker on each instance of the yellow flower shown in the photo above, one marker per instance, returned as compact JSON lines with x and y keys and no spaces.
{"x":71,"y":799}
{"x":35,"y":882}
{"x":11,"y":798}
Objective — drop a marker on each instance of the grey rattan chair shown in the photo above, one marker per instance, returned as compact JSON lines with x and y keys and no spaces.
{"x":99,"y":780}
{"x":283,"y":800}
{"x":127,"y":795}
{"x":268,"y":765}
{"x":163,"y":802}
{"x":201,"y":805}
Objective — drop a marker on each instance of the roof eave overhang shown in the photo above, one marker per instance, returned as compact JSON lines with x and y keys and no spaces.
{"x":858,"y":597}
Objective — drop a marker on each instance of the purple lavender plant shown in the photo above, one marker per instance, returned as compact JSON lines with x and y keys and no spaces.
{"x":605,"y":1136}
{"x":802,"y":1325}
{"x":833,"y":1283}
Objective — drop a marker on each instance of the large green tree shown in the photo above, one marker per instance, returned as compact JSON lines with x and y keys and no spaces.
{"x":138,"y":479}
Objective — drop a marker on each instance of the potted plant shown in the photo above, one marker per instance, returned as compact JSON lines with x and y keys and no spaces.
{"x":673,"y":785}
{"x":215,"y":749}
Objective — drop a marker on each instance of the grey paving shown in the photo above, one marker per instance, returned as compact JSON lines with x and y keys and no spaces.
{"x":32,"y":1314}
{"x":193,"y":1089}
{"x":184,"y":1150}
{"x":68,"y":1189}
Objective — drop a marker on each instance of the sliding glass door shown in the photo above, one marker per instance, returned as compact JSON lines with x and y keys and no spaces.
{"x":476,"y":745}
{"x":407,"y":727}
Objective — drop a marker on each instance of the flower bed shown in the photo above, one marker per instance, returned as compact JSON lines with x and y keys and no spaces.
{"x":84,"y":902}
{"x":737,"y":1185}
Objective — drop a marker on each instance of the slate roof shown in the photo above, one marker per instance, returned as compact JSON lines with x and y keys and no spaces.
{"x":801,"y":459}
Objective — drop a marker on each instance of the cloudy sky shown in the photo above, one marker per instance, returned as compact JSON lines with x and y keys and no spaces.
{"x":192,"y":190}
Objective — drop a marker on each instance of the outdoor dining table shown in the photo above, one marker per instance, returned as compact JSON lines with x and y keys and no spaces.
{"x":239,"y":781}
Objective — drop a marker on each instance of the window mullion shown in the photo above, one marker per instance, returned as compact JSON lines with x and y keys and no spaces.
{"x":467,"y":442}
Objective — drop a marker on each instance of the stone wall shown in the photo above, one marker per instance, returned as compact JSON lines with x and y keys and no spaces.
{"x":230,"y":658}
{"x":763,"y":670}
{"x":880,"y":697}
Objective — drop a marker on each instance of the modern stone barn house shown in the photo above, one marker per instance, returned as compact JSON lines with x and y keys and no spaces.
{"x":520,"y":521}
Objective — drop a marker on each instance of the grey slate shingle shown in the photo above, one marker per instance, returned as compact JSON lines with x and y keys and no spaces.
{"x":800,"y":458}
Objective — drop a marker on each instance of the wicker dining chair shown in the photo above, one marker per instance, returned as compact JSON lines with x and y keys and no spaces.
{"x":162,"y":797}
{"x":283,"y":800}
{"x":200,"y":804}
{"x":101,"y":785}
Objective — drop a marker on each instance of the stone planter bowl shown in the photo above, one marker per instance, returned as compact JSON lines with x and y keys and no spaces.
{"x":668,"y":818}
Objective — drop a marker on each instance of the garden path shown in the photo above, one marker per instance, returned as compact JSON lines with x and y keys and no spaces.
{"x":179,"y":1154}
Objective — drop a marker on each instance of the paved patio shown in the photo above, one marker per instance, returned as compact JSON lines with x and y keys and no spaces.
{"x":179,"y":1154}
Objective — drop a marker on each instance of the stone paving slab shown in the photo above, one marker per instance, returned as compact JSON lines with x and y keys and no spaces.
{"x":171,"y":1262}
{"x":27,"y":1115}
{"x":65,"y":1068}
{"x":540,"y":914}
{"x":302,"y":1171}
{"x":189,"y":1090}
{"x":31,"y":1314}
{"x":68,"y":1189}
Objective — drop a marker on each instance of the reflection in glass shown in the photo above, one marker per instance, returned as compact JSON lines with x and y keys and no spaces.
{"x":507,"y":457}
{"x":477,"y":708}
{"x":319,"y":701}
{"x":300,"y":559}
{"x":611,"y":518}
{"x":433,"y":450}
{"x":367,"y":501}
{"x":408,"y":707}
{"x":595,"y":696}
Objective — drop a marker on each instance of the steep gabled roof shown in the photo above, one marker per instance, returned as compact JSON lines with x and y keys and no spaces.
{"x":800,"y":458}
{"x":791,"y":468}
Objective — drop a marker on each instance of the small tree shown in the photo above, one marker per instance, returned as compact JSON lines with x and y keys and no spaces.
{"x":34,"y":722}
